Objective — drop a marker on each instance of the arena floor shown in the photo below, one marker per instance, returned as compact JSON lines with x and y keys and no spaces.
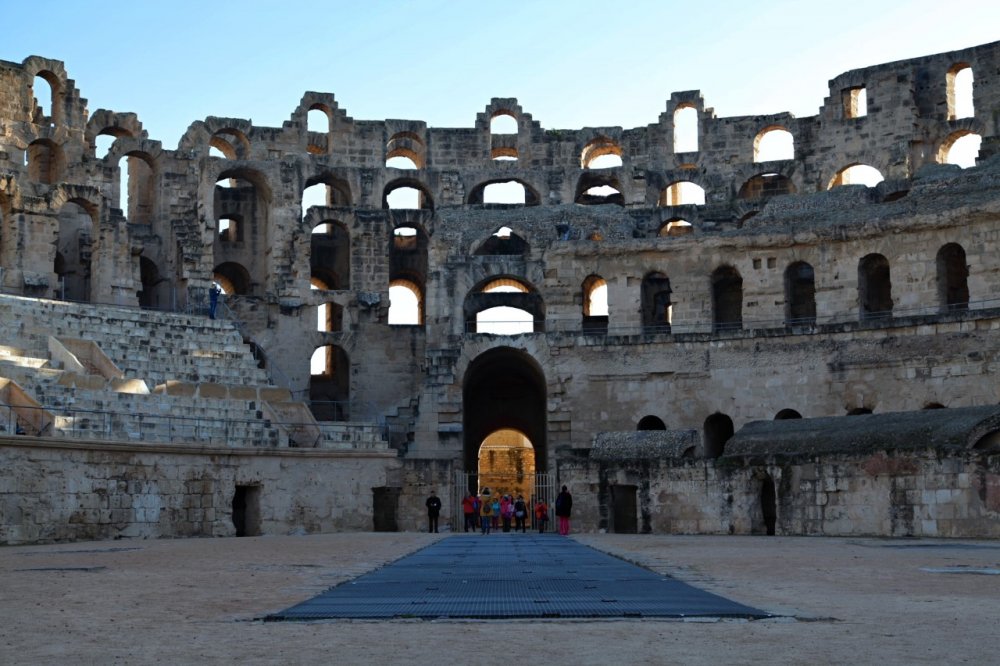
{"x":203,"y":600}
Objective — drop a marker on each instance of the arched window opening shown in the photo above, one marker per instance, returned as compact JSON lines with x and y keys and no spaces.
{"x":657,"y":310}
{"x":787,"y":414}
{"x":600,"y":194}
{"x":404,"y":239}
{"x":102,"y":144}
{"x":773,"y":143}
{"x":43,"y":112}
{"x":230,"y":230}
{"x":857,"y":174}
{"x":231,"y":143}
{"x":136,"y":188}
{"x":329,"y":384}
{"x":602,"y":153}
{"x":855,"y":102}
{"x":510,"y":192}
{"x":505,"y":285}
{"x":503,"y":122}
{"x":727,"y":299}
{"x":717,"y":431}
{"x":503,"y":154}
{"x":800,"y":294}
{"x":154,"y":288}
{"x":44,"y":161}
{"x":595,"y":304}
{"x":325,"y":190}
{"x":952,"y":278}
{"x":406,"y":195}
{"x":233,"y":278}
{"x":686,"y":129}
{"x":765,"y":185}
{"x":682,"y":193}
{"x":506,"y":464}
{"x":73,"y":252}
{"x":405,"y":150}
{"x":676,"y":227}
{"x":400,"y":162}
{"x":504,"y":320}
{"x":651,"y":422}
{"x":959,"y":83}
{"x":595,"y":297}
{"x":405,"y":303}
{"x":961,"y":148}
{"x":504,"y":242}
{"x":330,"y":254}
{"x":315,"y":195}
{"x":403,"y":198}
{"x":874,"y":287}
{"x":318,"y":120}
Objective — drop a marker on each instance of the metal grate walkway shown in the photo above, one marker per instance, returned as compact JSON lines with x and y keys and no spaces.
{"x":513,"y":576}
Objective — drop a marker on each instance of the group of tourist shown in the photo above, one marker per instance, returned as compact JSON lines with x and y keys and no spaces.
{"x":488,"y":513}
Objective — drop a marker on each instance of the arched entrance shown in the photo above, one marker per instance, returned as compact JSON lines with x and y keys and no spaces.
{"x":504,"y":423}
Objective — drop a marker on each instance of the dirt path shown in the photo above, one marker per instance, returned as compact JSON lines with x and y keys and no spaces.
{"x":196,"y":600}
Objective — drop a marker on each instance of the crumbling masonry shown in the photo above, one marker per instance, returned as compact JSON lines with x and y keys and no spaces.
{"x":745,"y":288}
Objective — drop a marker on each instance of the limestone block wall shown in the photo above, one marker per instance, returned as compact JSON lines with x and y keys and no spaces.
{"x":59,"y":491}
{"x":920,"y":494}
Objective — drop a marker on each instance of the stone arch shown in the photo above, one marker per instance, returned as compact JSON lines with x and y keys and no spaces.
{"x":155,"y":288}
{"x":46,"y":161}
{"x":56,"y":112}
{"x":598,"y":147}
{"x":408,"y":145}
{"x":650,"y":422}
{"x":952,"y":278}
{"x":408,"y":254}
{"x":856,"y":173}
{"x":503,"y":242}
{"x":410,"y":312}
{"x":727,"y":299}
{"x":138,"y":190}
{"x":231,"y":142}
{"x":424,"y":200}
{"x":800,"y":294}
{"x":961,"y":147}
{"x":657,"y":310}
{"x":510,"y":293}
{"x":330,"y":254}
{"x":531,"y":196}
{"x":594,"y":188}
{"x":329,"y":384}
{"x":74,"y":240}
{"x":233,"y":278}
{"x":766,"y":185}
{"x":682,"y":193}
{"x":718,"y":429}
{"x":874,"y":287}
{"x":338,"y":191}
{"x":594,"y":291}
{"x":504,"y":388}
{"x":786,"y":414}
{"x":773,"y":143}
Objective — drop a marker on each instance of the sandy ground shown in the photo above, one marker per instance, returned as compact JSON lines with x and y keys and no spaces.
{"x":197,"y":601}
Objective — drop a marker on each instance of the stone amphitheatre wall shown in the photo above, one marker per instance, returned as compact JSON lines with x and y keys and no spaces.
{"x":788,"y":289}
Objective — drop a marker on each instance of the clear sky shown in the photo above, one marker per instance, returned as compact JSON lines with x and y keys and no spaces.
{"x":571,"y":64}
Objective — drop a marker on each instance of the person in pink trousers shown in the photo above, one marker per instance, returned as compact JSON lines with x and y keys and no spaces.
{"x":564,"y":507}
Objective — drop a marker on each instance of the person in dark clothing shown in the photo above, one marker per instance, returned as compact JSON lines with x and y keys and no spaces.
{"x":213,"y":300}
{"x":433,"y":509}
{"x":564,"y":507}
{"x":520,"y":513}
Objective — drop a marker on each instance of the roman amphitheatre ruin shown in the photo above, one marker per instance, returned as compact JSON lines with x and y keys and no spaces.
{"x":705,"y":325}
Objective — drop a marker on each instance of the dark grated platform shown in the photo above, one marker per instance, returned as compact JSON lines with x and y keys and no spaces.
{"x":513,"y":576}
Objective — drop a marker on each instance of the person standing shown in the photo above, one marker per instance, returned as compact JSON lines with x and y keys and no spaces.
{"x":564,"y":507}
{"x":433,"y":511}
{"x":469,"y":511}
{"x":506,"y":511}
{"x":541,"y":515}
{"x":520,"y":513}
{"x":213,"y":300}
{"x":485,"y":510}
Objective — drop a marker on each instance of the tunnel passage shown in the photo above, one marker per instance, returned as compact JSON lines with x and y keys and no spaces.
{"x":504,"y":388}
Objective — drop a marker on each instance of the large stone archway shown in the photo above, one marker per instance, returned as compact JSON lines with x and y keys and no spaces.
{"x":504,"y":388}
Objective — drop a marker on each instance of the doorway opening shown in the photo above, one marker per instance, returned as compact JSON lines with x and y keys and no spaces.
{"x":385,"y":508}
{"x":624,"y":513}
{"x":246,"y":510}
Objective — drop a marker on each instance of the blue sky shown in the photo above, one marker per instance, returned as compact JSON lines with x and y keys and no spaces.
{"x":570,"y":64}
